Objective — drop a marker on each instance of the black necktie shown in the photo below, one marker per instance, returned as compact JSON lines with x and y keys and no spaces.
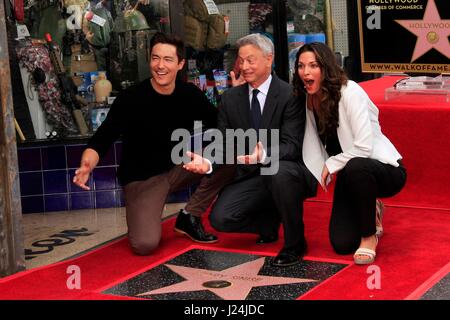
{"x":256,"y":110}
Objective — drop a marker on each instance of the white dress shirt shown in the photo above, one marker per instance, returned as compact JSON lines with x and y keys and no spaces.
{"x":262,"y":94}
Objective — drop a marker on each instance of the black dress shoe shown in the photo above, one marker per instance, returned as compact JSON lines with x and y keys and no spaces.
{"x":192,"y":227}
{"x":288,"y":257}
{"x":267,"y":239}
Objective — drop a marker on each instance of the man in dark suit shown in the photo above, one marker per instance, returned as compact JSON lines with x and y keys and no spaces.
{"x":255,"y":202}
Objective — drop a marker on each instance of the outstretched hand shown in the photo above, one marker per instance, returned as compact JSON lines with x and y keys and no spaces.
{"x":236,"y":81}
{"x":82,"y":175}
{"x":198,"y":163}
{"x":253,"y":158}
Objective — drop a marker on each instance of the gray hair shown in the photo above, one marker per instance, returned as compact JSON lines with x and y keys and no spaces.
{"x":259,"y":41}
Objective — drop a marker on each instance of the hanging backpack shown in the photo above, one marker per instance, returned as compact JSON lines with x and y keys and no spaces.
{"x":203,"y":30}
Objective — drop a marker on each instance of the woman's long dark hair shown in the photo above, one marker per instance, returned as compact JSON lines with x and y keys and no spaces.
{"x":333,"y":78}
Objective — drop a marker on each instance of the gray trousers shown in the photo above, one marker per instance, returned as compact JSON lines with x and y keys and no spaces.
{"x":145,"y":200}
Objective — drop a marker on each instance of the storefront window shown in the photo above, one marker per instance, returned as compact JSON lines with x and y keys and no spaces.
{"x":211,"y":31}
{"x":70,"y":43}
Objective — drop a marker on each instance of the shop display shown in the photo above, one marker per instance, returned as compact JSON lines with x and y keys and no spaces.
{"x":102,"y":88}
{"x":204,"y":25}
{"x":206,"y":33}
{"x":37,"y":113}
{"x":98,"y":34}
{"x":85,"y":84}
{"x":80,"y":62}
{"x":113,"y":36}
{"x":129,"y":49}
{"x":98,"y":115}
{"x":257,"y":13}
{"x":220,"y":78}
{"x":21,"y":110}
{"x":59,"y":98}
{"x":68,"y":88}
{"x":35,"y":57}
{"x":307,"y":15}
{"x":48,"y":18}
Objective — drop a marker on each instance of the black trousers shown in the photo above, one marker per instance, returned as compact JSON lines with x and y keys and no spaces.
{"x":258,"y":205}
{"x":358,"y":185}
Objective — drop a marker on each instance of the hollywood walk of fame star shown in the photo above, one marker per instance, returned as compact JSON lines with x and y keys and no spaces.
{"x":242,"y":278}
{"x":431,"y":32}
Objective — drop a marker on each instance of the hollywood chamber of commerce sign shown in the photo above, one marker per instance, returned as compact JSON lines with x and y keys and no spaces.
{"x":409,"y":36}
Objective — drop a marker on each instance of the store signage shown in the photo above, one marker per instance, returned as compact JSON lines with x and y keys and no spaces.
{"x":404,"y":36}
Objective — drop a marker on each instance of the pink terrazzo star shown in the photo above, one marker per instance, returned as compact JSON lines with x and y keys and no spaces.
{"x":431,"y":32}
{"x":242,"y":277}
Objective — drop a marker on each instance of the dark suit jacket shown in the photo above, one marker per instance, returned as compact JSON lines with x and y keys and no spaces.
{"x":282,"y":110}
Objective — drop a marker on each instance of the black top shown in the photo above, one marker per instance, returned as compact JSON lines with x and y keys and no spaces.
{"x":329,"y":141}
{"x":146,"y":119}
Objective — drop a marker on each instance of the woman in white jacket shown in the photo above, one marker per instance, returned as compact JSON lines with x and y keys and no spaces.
{"x":343,"y":138}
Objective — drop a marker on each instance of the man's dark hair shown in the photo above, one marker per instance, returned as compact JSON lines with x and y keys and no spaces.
{"x":171,"y":39}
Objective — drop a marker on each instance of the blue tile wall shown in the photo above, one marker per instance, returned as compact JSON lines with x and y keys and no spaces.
{"x":55,"y":181}
{"x":56,"y":202}
{"x":31,"y":183}
{"x":81,"y":200}
{"x":74,"y":155}
{"x":105,"y":199}
{"x":31,"y":204}
{"x":54,"y":157}
{"x":30,"y":160}
{"x":105,"y":178}
{"x":46,"y":174}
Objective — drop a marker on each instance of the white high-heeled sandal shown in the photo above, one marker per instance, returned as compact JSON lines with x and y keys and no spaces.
{"x":367,"y":253}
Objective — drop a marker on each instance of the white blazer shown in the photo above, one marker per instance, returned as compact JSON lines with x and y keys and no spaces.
{"x":359,"y":134}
